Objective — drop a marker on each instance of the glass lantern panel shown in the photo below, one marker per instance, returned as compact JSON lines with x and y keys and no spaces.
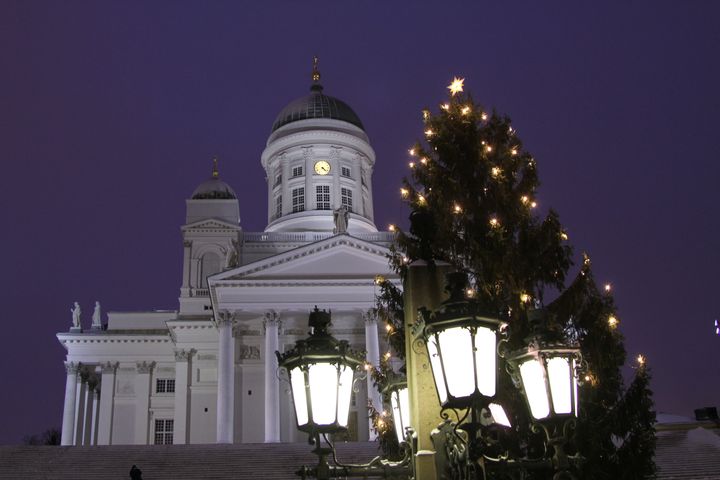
{"x":397,"y":418}
{"x":437,"y":369}
{"x":457,"y":356}
{"x":560,"y":384}
{"x":297,"y":383}
{"x":498,"y":414}
{"x":323,"y":379}
{"x":401,"y":412}
{"x":344,"y":394}
{"x":533,"y":380}
{"x":485,"y":356}
{"x":575,"y":386}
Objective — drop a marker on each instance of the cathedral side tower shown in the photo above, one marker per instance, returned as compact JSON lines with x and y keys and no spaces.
{"x":318,"y":159}
{"x":211,"y":240}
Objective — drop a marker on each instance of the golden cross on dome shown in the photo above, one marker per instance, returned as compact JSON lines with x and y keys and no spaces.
{"x":315,"y":71}
{"x":215,"y":172}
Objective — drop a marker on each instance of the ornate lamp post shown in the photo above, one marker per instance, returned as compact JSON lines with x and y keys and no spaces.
{"x":321,"y":370}
{"x":461,"y":338}
{"x":546,"y":371}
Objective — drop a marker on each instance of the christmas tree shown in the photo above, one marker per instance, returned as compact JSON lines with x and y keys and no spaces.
{"x":472,"y":194}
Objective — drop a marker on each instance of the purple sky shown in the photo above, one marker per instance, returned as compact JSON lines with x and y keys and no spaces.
{"x":111,"y":111}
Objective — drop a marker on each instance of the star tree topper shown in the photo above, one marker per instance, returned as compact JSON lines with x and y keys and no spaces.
{"x":456,"y":86}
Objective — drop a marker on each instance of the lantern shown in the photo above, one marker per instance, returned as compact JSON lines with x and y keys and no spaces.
{"x":461,"y":341}
{"x":321,"y":370}
{"x":400,"y":405}
{"x":547,"y":373}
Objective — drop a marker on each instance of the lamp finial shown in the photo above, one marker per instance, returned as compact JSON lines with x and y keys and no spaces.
{"x":215,"y":173}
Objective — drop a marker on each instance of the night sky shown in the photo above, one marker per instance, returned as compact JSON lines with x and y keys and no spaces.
{"x":110,"y":114}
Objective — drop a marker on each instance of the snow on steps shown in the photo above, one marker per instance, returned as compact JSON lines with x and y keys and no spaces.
{"x":267,"y":461}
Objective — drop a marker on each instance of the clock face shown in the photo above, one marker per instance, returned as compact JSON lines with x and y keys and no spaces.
{"x":322,"y":167}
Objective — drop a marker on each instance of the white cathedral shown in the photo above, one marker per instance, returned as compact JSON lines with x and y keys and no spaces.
{"x":207,"y":373}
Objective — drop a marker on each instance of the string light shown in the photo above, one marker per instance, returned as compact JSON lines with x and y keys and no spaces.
{"x":456,"y":86}
{"x":495,"y":171}
{"x":510,"y":131}
{"x":533,"y":204}
{"x":388,"y":355}
{"x":404,"y":192}
{"x":379,"y":279}
{"x":391,"y":228}
{"x":421,"y":199}
{"x":484,"y":116}
{"x":429,"y":132}
{"x":525,"y":298}
{"x":389,"y":328}
{"x":405,"y":259}
{"x":608,"y":287}
{"x":641,"y":360}
{"x":445,"y":106}
{"x":465,"y":110}
{"x":612,"y":321}
{"x":564,"y":236}
{"x":494,"y":222}
{"x":525,"y":199}
{"x":423,"y":160}
{"x":411,"y":164}
{"x":513,"y":151}
{"x":488,"y":148}
{"x":367,"y":366}
{"x":457,"y":208}
{"x":469,"y":292}
{"x":412,"y":152}
{"x":426,"y":114}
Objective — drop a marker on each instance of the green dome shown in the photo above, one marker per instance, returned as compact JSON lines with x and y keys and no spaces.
{"x":317,"y":105}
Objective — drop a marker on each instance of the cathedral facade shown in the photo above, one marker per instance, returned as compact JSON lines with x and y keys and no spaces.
{"x":207,"y":372}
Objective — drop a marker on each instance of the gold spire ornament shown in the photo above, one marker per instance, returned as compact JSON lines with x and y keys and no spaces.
{"x":215,"y":173}
{"x":456,"y":86}
{"x":315,"y":71}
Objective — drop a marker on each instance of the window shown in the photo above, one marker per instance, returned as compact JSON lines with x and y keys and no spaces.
{"x":297,"y":171}
{"x":278,"y":206}
{"x":278,"y":179}
{"x":165,"y":385}
{"x":298,"y":199}
{"x":346,"y":197}
{"x":345,"y":171}
{"x":322,"y":197}
{"x":164,"y":431}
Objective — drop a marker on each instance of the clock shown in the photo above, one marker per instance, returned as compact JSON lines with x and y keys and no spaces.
{"x":322,"y":167}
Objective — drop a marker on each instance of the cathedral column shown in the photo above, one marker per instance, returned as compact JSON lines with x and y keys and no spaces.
{"x":69,"y":407}
{"x":95,"y":416}
{"x":372,"y":346}
{"x":182,"y":395}
{"x":89,"y":408}
{"x":142,"y":401}
{"x":80,"y":398}
{"x":107,"y":402}
{"x":309,"y":193}
{"x":286,"y":201}
{"x":226,"y":377}
{"x":335,"y":198}
{"x":358,"y":195}
{"x":187,"y":259}
{"x":272,"y":383}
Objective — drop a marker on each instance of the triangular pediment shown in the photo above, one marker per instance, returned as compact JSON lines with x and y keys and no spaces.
{"x":340,"y":256}
{"x":210,"y":224}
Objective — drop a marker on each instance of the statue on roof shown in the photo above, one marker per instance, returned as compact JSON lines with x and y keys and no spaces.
{"x":340,"y":216}
{"x":75,"y":310}
{"x":96,"y":317}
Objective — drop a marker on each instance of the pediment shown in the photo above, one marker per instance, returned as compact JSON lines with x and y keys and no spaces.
{"x":210,"y":224}
{"x":337,"y":257}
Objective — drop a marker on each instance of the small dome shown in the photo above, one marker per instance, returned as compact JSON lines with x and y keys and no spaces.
{"x":214,"y":188}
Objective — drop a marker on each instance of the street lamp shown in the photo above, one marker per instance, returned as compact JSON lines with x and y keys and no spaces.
{"x":321,"y":372}
{"x":462,"y":347}
{"x":461,"y":341}
{"x":546,"y":371}
{"x":397,"y":391}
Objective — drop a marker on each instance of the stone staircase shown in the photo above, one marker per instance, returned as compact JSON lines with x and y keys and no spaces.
{"x":277,"y":461}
